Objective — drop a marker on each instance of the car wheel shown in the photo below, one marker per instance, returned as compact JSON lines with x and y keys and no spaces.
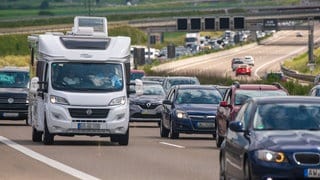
{"x":222,"y":167}
{"x":123,"y":139}
{"x":219,"y":139}
{"x":48,"y":138}
{"x":173,"y":133}
{"x":164,"y":132}
{"x":36,"y":135}
{"x":247,"y":170}
{"x":114,"y":138}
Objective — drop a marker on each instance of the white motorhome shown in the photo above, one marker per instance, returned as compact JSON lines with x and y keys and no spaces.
{"x":81,"y":83}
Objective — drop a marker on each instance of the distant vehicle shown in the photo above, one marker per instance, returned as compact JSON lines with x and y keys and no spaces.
{"x":315,"y":91}
{"x":189,"y":109}
{"x":136,"y":74}
{"x":170,"y":81}
{"x":153,"y":78}
{"x":249,"y":60}
{"x":299,"y":34}
{"x":273,"y":138}
{"x":147,"y":106}
{"x":276,"y":76}
{"x":192,"y":39}
{"x":243,"y":69}
{"x":14,"y":84}
{"x":235,"y":63}
{"x":233,"y":99}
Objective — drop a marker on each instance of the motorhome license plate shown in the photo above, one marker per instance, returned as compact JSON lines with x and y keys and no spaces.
{"x":88,"y":126}
{"x":205,"y":125}
{"x":10,"y":114}
{"x":313,"y":173}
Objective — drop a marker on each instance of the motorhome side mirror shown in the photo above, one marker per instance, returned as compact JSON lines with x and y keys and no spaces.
{"x":44,"y":86}
{"x":139,"y":87}
{"x":34,"y":86}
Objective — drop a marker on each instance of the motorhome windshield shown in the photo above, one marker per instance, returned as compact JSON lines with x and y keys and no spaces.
{"x":14,"y":79}
{"x":88,"y":77}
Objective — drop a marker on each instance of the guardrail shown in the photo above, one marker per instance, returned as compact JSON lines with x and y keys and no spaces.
{"x":297,"y":75}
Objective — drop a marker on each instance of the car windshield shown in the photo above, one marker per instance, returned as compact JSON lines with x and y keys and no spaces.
{"x":198,"y":96}
{"x":153,"y":90}
{"x":287,"y":116}
{"x":242,"y":95}
{"x":14,"y":79}
{"x":88,"y":77}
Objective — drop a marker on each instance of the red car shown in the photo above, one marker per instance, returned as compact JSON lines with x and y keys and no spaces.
{"x":243,"y":69}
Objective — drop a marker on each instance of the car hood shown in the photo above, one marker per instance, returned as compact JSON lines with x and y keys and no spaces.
{"x":286,"y":140}
{"x":198,"y":108}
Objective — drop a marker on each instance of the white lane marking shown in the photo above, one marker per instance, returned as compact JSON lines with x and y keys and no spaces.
{"x":55,"y":164}
{"x":174,"y":145}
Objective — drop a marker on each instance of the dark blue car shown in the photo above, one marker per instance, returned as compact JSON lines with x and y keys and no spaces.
{"x":189,"y":109}
{"x":273,"y":138}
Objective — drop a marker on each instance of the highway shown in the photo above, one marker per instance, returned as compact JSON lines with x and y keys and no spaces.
{"x":147,"y":156}
{"x":268,"y":56}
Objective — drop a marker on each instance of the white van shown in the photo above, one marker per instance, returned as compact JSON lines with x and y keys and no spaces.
{"x":81,"y":83}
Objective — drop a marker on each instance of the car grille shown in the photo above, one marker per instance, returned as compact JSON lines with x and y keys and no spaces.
{"x":138,"y":115}
{"x":88,"y":113}
{"x":307,"y":158}
{"x":4,"y":100}
{"x":148,"y":106}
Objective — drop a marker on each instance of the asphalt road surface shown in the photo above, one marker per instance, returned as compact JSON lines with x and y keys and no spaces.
{"x":146,"y":157}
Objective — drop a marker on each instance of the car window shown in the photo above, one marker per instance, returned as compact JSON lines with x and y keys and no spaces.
{"x":242,"y":95}
{"x":14,"y":79}
{"x":244,"y":114}
{"x":287,"y":116}
{"x":198,"y":96}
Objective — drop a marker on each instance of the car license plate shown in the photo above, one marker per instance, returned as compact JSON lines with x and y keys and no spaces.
{"x":205,"y":125}
{"x":10,"y":114}
{"x":148,"y":112}
{"x":312,"y":173}
{"x":88,"y":126}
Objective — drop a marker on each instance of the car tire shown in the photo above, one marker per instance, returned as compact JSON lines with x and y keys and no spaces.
{"x":219,"y":139}
{"x":164,"y":132}
{"x":173,"y":133}
{"x":36,"y":135}
{"x":123,"y":139}
{"x":48,"y":138}
{"x":114,"y":138}
{"x":247,"y":170}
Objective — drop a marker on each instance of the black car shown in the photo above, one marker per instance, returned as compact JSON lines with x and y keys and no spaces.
{"x":273,"y":138}
{"x":189,"y":109}
{"x":147,"y":106}
{"x":14,"y":103}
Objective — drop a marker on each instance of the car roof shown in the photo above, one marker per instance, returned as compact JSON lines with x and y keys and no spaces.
{"x":181,"y":77}
{"x":13,"y":68}
{"x":259,"y":87}
{"x":286,"y":99}
{"x":195,"y":86}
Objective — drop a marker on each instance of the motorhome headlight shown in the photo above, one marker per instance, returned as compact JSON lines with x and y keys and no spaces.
{"x":181,"y":114}
{"x":118,"y":101}
{"x":58,"y":100}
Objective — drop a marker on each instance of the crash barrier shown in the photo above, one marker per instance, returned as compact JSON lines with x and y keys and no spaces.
{"x":297,"y":75}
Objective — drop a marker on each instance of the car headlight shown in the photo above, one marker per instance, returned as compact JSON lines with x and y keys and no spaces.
{"x":118,"y":101}
{"x":271,"y":156}
{"x":58,"y":100}
{"x":181,"y":114}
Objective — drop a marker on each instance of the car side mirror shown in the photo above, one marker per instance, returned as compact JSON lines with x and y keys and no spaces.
{"x":224,"y":104}
{"x":168,"y":102}
{"x":236,"y":126}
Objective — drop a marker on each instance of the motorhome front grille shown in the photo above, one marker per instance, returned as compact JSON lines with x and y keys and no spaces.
{"x":88,"y":113}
